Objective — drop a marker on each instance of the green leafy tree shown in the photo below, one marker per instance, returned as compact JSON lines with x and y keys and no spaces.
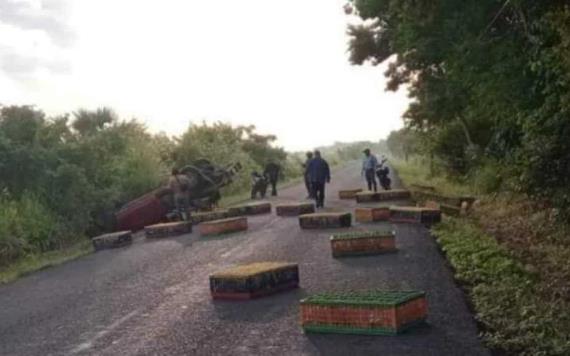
{"x":489,"y":82}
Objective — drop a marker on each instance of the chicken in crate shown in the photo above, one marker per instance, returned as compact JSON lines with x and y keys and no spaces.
{"x":158,"y":206}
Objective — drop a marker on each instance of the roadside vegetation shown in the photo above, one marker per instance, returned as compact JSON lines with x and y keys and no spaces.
{"x":61,"y":177}
{"x":510,"y":254}
{"x":490,"y":116}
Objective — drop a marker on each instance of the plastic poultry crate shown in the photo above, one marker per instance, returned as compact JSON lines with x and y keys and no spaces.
{"x":254,"y":280}
{"x":369,"y":313}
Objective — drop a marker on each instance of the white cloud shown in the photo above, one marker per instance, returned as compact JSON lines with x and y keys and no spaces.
{"x":280,"y":65}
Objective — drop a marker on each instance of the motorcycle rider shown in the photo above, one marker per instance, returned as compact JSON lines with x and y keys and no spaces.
{"x":368,"y":168}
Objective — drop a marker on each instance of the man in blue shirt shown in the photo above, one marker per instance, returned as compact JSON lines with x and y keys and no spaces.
{"x":319,"y":174}
{"x":369,"y":169}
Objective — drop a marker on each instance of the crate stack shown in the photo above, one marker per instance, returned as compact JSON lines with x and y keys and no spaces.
{"x":254,"y":280}
{"x":372,"y":214}
{"x":449,"y":205}
{"x":112,"y":240}
{"x":368,"y":313}
{"x":200,"y":217}
{"x":223,"y":226}
{"x":361,"y":243}
{"x":388,"y":195}
{"x":168,"y":229}
{"x":256,"y":208}
{"x":295,"y":209}
{"x":415,"y":215}
{"x":325,"y":220}
{"x":348,"y":194}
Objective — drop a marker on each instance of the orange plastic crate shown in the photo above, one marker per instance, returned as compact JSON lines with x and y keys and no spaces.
{"x":348,"y":194}
{"x":360,"y":243}
{"x":417,"y":215}
{"x":255,"y":208}
{"x":168,"y":229}
{"x":373,"y":214}
{"x":200,"y":217}
{"x":371,"y":313}
{"x":254,"y":280}
{"x":294,"y":209}
{"x":325,"y":220}
{"x":223,"y":226}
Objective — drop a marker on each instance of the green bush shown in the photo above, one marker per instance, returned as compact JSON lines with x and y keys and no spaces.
{"x":27,"y":226}
{"x":487,"y":177}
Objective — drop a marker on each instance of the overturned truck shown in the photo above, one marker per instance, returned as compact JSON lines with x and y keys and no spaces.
{"x":154,"y":207}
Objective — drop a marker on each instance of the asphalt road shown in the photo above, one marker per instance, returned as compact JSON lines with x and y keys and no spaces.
{"x":152,"y":298}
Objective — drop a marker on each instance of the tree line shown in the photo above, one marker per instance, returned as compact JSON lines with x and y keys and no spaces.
{"x":489,"y":82}
{"x":61,"y":176}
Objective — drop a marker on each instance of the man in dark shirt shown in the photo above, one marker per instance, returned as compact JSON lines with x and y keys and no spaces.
{"x":319,"y":174}
{"x":306,"y":174}
{"x":271,"y":173}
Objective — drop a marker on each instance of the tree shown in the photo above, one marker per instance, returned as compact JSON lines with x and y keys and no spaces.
{"x":489,"y":81}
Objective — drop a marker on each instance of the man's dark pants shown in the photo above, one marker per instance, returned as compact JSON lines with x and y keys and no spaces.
{"x":371,"y":179}
{"x":309,"y":188}
{"x":273,"y":187}
{"x":319,"y":193}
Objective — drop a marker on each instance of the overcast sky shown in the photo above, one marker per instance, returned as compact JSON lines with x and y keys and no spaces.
{"x":280,"y":65}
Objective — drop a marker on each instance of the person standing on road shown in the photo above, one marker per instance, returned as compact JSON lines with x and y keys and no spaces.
{"x":180,"y":185}
{"x":369,"y":169}
{"x":258,"y":185}
{"x":271,"y":173}
{"x":319,"y":174}
{"x":306,"y":175}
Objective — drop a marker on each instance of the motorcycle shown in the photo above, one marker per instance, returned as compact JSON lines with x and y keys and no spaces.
{"x":383,"y":172}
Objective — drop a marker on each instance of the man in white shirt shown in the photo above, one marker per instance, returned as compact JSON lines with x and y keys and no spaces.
{"x":369,"y":169}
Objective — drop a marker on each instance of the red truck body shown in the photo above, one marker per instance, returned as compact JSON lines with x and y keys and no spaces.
{"x":153,"y":207}
{"x":144,"y":211}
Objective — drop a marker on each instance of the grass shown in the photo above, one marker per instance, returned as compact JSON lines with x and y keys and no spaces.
{"x":511,"y":257}
{"x":36,"y":262}
{"x":505,"y":294}
{"x":417,"y":171}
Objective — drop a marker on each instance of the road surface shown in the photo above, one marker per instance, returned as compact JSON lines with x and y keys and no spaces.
{"x":152,"y":298}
